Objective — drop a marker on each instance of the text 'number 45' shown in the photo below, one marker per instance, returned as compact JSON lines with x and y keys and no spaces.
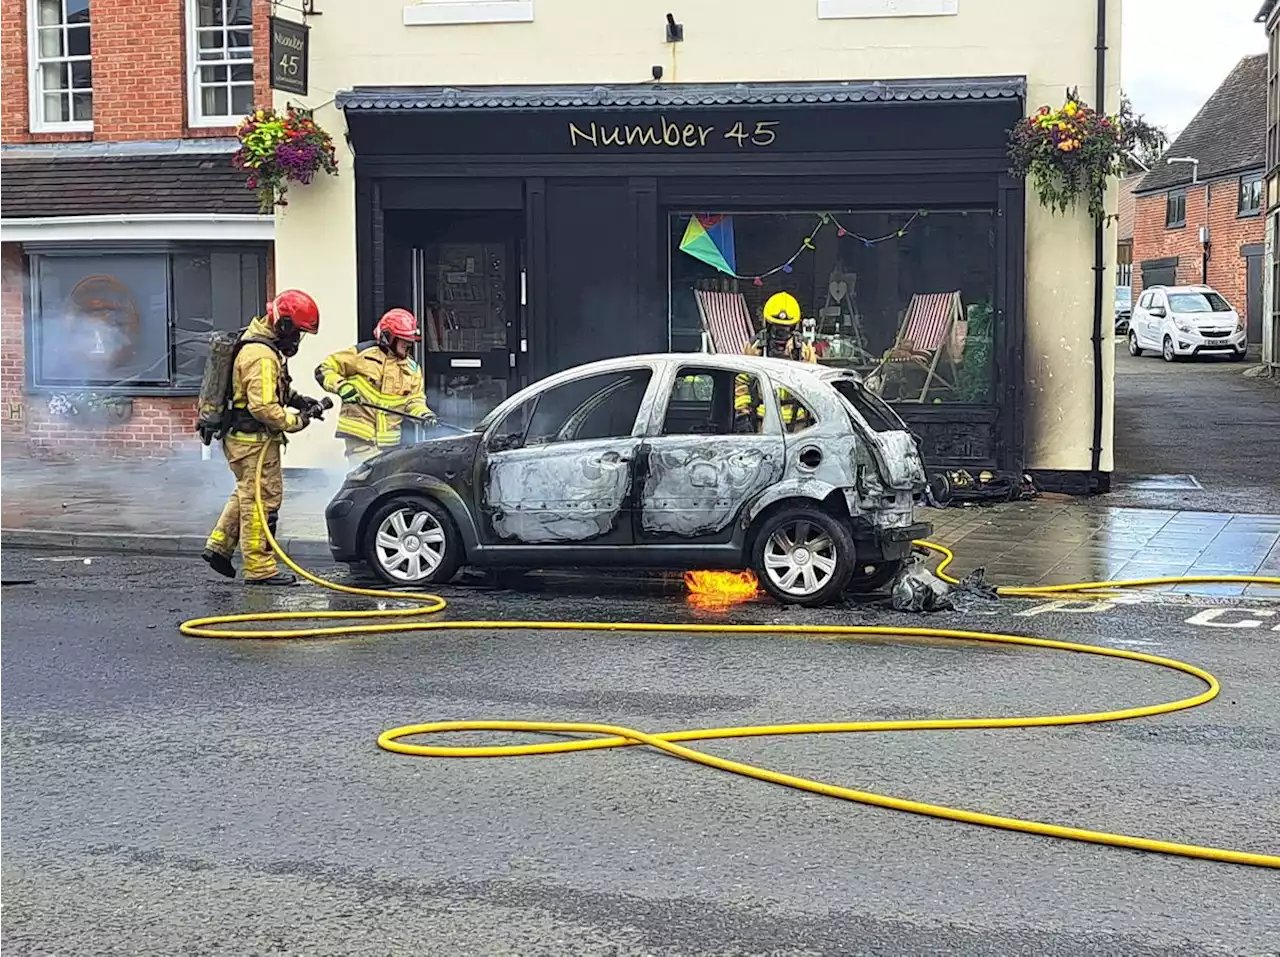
{"x":763,"y":135}
{"x":289,"y":64}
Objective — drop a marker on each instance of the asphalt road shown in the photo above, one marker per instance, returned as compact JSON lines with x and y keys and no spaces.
{"x":1199,"y":417}
{"x":165,"y":795}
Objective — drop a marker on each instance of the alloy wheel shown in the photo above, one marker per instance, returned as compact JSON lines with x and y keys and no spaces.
{"x":1167,"y":350}
{"x":800,"y":558}
{"x":410,"y":543}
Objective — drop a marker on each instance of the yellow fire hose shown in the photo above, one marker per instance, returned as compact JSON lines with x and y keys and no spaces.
{"x":613,"y":736}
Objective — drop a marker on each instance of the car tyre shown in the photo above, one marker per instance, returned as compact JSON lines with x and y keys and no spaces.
{"x":803,"y":556}
{"x":864,"y":583}
{"x":412,"y":541}
{"x":1166,"y":351}
{"x":1134,"y":349}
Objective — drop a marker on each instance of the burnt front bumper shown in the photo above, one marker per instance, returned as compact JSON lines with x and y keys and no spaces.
{"x":343,"y":517}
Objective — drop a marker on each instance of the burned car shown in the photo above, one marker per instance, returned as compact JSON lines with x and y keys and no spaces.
{"x":677,"y":461}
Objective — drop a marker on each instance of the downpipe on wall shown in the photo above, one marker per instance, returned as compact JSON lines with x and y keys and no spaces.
{"x":1099,"y":269}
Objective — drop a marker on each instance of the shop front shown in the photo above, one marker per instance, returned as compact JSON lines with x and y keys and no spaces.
{"x":536,"y":228}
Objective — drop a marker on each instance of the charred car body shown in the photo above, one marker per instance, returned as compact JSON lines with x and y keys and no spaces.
{"x":643,"y":461}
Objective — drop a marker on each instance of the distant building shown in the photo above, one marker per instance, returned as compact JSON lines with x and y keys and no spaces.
{"x":1270,"y":16}
{"x":1124,"y":228}
{"x":1198,"y":213}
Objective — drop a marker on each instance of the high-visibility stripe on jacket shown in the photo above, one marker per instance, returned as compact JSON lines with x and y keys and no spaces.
{"x":379,"y":379}
{"x":260,"y":385}
{"x":791,"y":410}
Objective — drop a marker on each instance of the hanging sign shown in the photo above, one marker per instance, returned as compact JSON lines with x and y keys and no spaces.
{"x":289,"y":50}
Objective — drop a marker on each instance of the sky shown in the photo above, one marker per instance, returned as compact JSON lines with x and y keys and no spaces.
{"x":1175,"y":53}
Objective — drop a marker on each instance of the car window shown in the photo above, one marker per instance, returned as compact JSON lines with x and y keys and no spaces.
{"x":1145,"y":301}
{"x":796,"y":416}
{"x":879,"y":416}
{"x":1122,"y":295}
{"x":601,"y":406}
{"x":1198,"y":302}
{"x":509,"y":433}
{"x":714,"y":402}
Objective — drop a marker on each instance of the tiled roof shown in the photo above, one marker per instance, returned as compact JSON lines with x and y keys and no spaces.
{"x":56,"y":185}
{"x":677,"y":94}
{"x":1227,"y":136}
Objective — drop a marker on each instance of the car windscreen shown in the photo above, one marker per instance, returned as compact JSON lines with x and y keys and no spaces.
{"x":1123,"y":295}
{"x":1197,"y":302}
{"x":875,"y":410}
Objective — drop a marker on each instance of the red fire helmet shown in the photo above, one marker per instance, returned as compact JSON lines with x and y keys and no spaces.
{"x":298,"y":307}
{"x":396,"y":324}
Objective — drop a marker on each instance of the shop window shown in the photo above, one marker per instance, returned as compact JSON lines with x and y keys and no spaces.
{"x":903,"y":297}
{"x":877,"y":415}
{"x":1175,"y":210}
{"x":1250,"y":201}
{"x":220,"y":59}
{"x":137,"y":324}
{"x":714,"y":402}
{"x":597,"y":407}
{"x":61,"y":81}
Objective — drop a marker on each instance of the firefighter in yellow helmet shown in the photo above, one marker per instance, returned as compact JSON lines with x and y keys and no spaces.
{"x":378,"y":373}
{"x":778,"y":339}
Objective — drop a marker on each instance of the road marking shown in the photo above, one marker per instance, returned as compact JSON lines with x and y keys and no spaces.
{"x":1212,"y":618}
{"x":69,"y":558}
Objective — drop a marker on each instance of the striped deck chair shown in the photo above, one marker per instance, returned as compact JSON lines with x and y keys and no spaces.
{"x":932,"y":325}
{"x":726,"y":321}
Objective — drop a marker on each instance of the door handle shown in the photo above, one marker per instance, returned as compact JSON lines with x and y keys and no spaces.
{"x":613,"y":458}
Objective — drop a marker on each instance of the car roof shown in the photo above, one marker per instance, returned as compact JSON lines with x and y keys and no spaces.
{"x":1177,"y":289}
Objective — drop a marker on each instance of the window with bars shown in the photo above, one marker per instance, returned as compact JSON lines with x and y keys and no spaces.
{"x":61,"y":82}
{"x":221,"y":59}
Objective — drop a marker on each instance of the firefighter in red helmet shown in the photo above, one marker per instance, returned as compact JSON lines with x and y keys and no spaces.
{"x":380,"y":373}
{"x":264,"y":406}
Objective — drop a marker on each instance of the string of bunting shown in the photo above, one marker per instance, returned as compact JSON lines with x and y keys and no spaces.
{"x":710,"y":238}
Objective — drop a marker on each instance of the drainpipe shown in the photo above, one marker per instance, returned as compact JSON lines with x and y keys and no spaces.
{"x":1099,"y":266}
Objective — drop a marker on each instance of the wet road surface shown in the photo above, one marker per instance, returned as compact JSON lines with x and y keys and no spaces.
{"x":167,"y":795}
{"x":1200,"y":418}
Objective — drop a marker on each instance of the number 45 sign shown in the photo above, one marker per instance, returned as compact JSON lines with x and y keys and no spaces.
{"x":289,"y":48}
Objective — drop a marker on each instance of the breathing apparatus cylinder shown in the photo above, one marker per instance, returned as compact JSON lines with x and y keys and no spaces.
{"x":215,"y":387}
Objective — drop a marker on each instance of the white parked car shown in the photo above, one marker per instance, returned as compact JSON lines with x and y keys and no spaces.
{"x":1178,"y":321}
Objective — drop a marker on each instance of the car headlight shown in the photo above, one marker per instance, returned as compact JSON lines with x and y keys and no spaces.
{"x":1183,"y":325}
{"x":360,"y":474}
{"x":1239,"y":325}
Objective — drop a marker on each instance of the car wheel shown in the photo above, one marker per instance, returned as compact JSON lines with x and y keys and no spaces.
{"x":413,"y":541}
{"x":1166,"y":351}
{"x":864,"y":582}
{"x":1134,"y":348}
{"x":803,"y":556}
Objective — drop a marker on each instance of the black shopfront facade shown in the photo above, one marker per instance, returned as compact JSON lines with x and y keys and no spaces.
{"x":537,"y":228}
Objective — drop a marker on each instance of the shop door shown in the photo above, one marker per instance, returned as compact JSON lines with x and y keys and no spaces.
{"x":1253,"y":290}
{"x":469,"y":296}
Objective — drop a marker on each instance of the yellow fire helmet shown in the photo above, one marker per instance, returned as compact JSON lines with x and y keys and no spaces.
{"x":782,"y":309}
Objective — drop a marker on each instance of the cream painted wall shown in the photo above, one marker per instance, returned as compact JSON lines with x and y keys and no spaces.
{"x":610,"y":41}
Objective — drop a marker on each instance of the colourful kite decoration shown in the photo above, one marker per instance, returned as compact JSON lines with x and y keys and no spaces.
{"x":710,"y":239}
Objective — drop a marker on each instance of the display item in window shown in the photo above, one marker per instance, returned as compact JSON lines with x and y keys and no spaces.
{"x":263,"y":407}
{"x":376,"y":381}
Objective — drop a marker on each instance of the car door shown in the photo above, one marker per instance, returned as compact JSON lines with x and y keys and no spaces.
{"x":1141,"y":319}
{"x":558,"y":468}
{"x":1161,"y":321}
{"x":704,"y":459}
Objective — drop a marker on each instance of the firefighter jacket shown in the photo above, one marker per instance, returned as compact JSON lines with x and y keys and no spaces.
{"x":260,"y":390}
{"x":379,"y":379}
{"x":794,"y":415}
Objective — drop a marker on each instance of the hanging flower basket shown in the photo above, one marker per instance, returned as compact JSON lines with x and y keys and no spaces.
{"x":277,"y":149}
{"x":1070,"y":152}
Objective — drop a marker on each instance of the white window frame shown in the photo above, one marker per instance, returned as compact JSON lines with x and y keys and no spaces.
{"x":36,"y":122}
{"x":195,"y":115}
{"x":439,"y":13}
{"x":878,"y":9}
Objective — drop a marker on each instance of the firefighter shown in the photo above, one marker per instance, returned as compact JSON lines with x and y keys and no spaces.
{"x":264,"y":406}
{"x":778,"y":339}
{"x":377,"y":373}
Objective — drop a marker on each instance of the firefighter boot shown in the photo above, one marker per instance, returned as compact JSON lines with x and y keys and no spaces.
{"x":219,"y":563}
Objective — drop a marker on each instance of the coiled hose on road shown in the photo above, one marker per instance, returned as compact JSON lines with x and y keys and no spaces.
{"x":615,"y":736}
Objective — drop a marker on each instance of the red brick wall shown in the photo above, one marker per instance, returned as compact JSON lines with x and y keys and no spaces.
{"x":1227,"y":233}
{"x":140,"y":79}
{"x":140,"y":73}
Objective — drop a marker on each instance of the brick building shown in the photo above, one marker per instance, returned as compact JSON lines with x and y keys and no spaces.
{"x":1269,"y":16}
{"x":1198,"y":213}
{"x":127,"y":236}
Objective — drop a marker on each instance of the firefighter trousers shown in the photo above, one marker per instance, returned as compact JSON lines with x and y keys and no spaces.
{"x":238,"y":524}
{"x":359,"y":451}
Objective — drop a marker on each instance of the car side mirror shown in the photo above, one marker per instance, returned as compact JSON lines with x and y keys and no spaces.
{"x":1158,"y":312}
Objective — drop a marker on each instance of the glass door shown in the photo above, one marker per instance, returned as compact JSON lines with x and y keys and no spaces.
{"x":467,"y":296}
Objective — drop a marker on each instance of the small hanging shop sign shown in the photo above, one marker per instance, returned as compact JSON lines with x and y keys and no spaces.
{"x":290,"y":47}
